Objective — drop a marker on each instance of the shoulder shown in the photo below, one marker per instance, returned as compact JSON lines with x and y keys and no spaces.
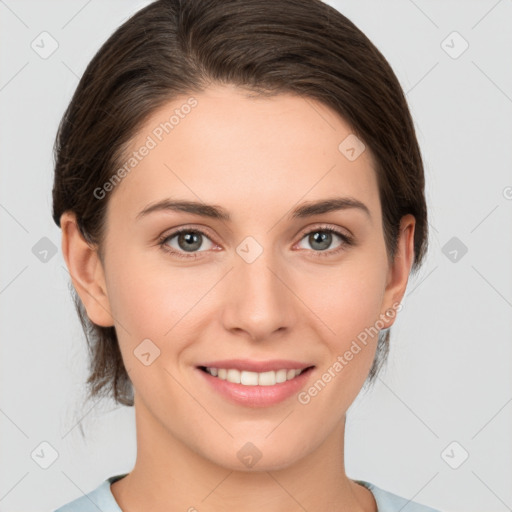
{"x":389,"y":502}
{"x":103,"y":499}
{"x":99,"y":498}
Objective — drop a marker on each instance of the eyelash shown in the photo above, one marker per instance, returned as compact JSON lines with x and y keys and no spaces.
{"x":347,"y":241}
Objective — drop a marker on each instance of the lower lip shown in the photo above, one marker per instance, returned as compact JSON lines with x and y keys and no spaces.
{"x":257,"y":396}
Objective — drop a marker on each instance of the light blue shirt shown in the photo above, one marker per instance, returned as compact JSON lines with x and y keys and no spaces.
{"x":102,"y":499}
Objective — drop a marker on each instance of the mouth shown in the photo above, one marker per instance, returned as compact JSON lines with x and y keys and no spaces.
{"x":255,"y":384}
{"x":249,"y":378}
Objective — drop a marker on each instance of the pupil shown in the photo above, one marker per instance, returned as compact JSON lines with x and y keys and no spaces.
{"x":192,"y":241}
{"x":323,"y":237}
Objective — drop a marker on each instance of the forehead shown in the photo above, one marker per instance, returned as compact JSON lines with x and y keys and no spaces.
{"x":247,"y":153}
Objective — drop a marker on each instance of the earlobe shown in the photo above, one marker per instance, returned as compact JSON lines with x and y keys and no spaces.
{"x":400,"y":268}
{"x":86,"y":270}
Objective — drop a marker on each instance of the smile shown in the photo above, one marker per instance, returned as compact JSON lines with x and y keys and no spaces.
{"x":247,"y":378}
{"x":255,"y":384}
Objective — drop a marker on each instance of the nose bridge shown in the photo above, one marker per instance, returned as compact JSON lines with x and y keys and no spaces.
{"x":258,"y":301}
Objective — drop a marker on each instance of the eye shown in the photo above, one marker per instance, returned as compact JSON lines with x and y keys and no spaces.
{"x":187,"y":242}
{"x":320,"y":239}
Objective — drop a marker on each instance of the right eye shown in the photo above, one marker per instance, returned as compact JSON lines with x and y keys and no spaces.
{"x":187,"y":242}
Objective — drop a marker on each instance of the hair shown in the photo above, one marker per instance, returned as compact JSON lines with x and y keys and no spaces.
{"x":171,"y":48}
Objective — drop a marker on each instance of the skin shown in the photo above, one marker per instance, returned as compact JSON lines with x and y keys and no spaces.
{"x":258,"y":158}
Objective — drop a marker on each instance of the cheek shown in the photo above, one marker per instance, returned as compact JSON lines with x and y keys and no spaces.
{"x":346,"y":300}
{"x":150,"y":298}
{"x":350,"y":306}
{"x":151,"y":302}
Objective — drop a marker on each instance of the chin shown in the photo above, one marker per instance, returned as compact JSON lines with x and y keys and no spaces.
{"x":257,"y":456}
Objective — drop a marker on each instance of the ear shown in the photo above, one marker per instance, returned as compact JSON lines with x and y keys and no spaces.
{"x":86,"y":271}
{"x":399,"y":269}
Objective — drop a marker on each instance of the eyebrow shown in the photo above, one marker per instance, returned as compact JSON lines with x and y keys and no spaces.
{"x":218,"y":212}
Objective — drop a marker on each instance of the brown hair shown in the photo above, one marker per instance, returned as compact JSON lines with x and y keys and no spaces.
{"x":176,"y":47}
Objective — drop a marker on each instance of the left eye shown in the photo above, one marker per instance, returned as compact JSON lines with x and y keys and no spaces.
{"x":323,"y":238}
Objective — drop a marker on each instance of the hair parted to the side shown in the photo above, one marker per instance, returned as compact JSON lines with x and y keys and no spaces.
{"x":172,"y":48}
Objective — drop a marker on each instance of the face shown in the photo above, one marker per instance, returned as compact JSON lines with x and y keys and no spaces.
{"x":269,"y":287}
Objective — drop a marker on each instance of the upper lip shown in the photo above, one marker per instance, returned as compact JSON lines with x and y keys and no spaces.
{"x":256,"y":366}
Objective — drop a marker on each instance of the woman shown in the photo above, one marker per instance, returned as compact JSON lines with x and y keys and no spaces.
{"x":241,"y":197}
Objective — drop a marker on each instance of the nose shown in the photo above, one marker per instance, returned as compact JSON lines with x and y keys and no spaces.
{"x":259,"y":299}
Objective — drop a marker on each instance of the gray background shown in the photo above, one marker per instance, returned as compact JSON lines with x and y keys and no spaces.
{"x":447,"y":389}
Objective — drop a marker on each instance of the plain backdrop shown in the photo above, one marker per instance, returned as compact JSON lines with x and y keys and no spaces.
{"x":437,"y":426}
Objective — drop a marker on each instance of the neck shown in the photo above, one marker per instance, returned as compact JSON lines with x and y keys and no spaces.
{"x":168,"y":474}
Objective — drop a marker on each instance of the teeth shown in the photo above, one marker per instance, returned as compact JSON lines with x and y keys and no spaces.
{"x":249,"y":378}
{"x":267,"y":378}
{"x":253,"y":378}
{"x":281,"y":376}
{"x":233,"y":376}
